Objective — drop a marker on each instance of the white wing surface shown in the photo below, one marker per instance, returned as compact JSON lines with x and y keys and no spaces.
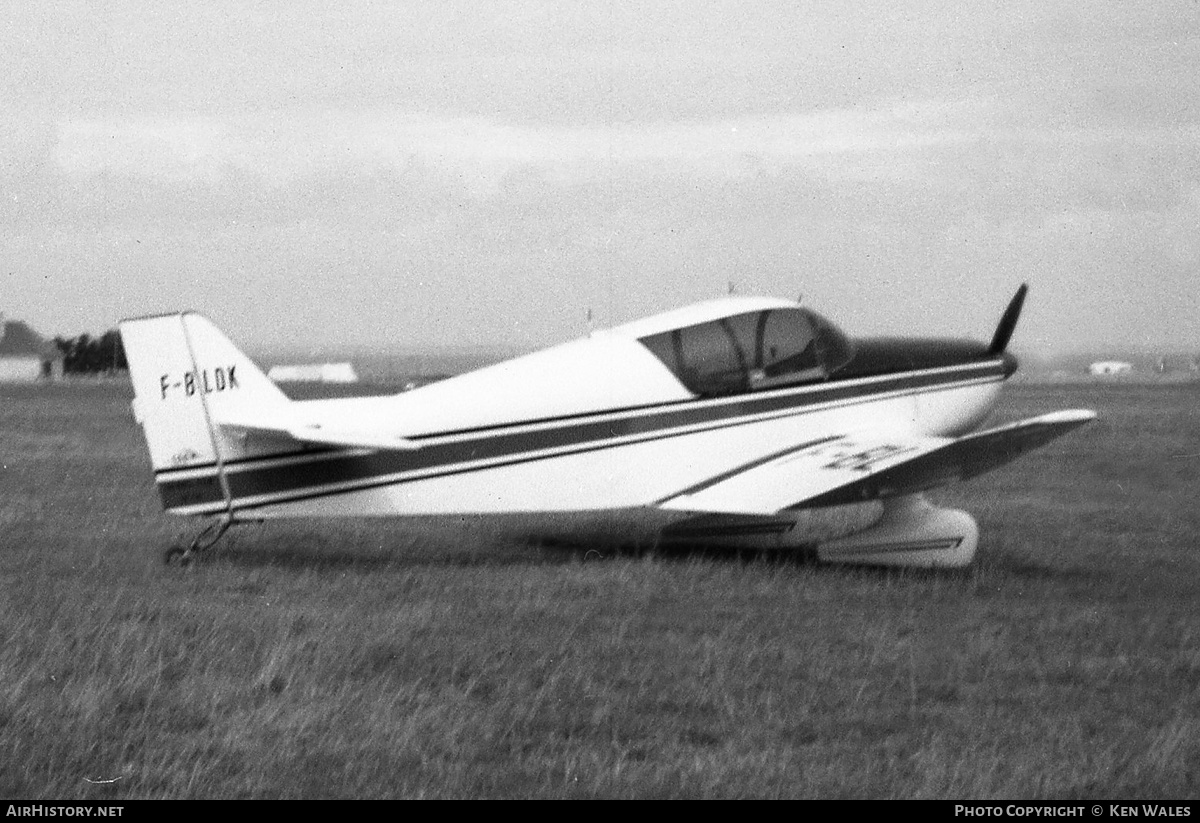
{"x":866,"y":466}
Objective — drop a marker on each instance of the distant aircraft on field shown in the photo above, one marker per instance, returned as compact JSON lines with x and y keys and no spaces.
{"x":746,"y":421}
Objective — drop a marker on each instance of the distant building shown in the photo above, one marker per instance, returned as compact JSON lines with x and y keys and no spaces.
{"x":1109,"y":368}
{"x":24,"y":356}
{"x":314,"y":373}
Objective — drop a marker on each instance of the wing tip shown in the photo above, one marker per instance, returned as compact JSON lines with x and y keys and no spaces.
{"x":1069,"y":416}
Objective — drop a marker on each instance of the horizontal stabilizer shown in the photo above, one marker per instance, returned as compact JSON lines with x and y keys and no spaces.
{"x":858,"y":467}
{"x":281,"y":421}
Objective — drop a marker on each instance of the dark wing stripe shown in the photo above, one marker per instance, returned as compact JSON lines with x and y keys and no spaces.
{"x":745,"y":467}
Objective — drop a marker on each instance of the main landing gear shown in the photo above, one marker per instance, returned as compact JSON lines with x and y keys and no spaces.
{"x":200,"y":544}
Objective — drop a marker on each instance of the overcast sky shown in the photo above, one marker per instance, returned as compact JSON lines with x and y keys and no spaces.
{"x":464,"y":173}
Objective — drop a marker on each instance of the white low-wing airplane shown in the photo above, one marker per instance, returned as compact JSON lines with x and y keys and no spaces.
{"x":744,"y":421}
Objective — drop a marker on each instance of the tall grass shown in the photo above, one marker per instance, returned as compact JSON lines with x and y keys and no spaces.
{"x":385,"y":659}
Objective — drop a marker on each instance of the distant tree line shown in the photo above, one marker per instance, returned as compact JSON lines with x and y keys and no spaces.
{"x":92,"y":355}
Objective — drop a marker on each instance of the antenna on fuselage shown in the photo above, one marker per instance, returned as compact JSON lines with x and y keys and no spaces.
{"x":732,"y":287}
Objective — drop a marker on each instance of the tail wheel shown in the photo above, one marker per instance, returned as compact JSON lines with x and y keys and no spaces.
{"x":201,"y":543}
{"x":177,"y":555}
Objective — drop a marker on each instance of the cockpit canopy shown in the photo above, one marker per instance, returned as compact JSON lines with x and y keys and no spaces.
{"x":753,"y":351}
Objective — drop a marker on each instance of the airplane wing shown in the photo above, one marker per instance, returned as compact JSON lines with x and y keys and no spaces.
{"x":282,"y":422}
{"x":857,"y":467}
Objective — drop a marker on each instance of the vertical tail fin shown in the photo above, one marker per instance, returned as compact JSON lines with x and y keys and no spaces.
{"x":184,"y":370}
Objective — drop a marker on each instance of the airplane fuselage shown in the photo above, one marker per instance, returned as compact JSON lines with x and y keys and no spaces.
{"x":750,"y":421}
{"x":620,"y":459}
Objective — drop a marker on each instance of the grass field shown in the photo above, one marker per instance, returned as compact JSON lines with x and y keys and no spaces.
{"x":372,"y":659}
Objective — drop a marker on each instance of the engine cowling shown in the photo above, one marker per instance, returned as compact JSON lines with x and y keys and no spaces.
{"x":911,"y":532}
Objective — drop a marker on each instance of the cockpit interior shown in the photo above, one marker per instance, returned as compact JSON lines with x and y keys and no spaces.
{"x":755,"y":351}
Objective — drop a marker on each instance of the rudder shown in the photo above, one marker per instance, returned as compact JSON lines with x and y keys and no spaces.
{"x":184,"y":371}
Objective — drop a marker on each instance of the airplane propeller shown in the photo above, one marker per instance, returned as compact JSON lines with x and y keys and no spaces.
{"x":1008,"y":322}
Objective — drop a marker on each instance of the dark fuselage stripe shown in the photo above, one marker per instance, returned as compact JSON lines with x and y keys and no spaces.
{"x":559,"y":432}
{"x":506,"y":447}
